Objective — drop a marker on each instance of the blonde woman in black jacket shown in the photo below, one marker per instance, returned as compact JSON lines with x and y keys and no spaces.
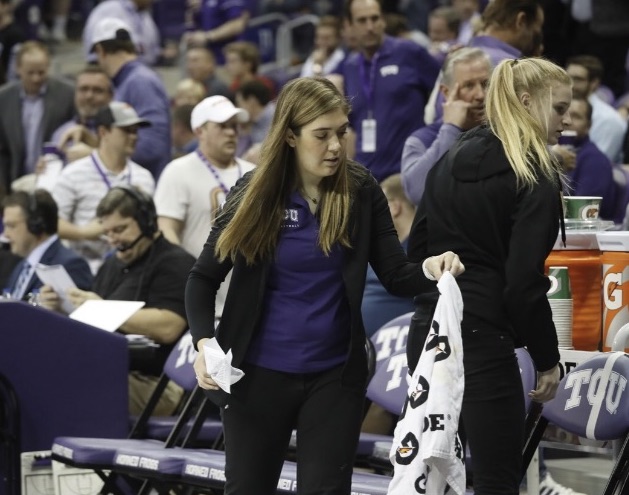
{"x":298,"y":232}
{"x":494,"y":198}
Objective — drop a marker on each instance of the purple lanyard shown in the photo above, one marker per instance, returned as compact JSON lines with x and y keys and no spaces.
{"x":103,"y":175}
{"x":211,"y":168}
{"x":368,"y":81}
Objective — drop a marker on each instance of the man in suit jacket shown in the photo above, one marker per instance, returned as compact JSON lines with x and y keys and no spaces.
{"x":32,"y":108}
{"x":30,"y":226}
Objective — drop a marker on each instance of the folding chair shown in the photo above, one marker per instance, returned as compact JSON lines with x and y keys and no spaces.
{"x":592,"y":402}
{"x":99,"y":454}
{"x":205,"y":468}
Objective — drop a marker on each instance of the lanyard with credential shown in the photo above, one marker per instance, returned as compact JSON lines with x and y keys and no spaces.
{"x":103,"y":175}
{"x":368,"y":81}
{"x":211,"y":168}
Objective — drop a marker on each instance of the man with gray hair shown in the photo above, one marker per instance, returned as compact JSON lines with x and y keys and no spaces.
{"x":465,"y":76}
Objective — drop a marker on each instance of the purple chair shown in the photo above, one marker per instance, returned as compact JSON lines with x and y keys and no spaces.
{"x":592,"y":402}
{"x":99,"y":454}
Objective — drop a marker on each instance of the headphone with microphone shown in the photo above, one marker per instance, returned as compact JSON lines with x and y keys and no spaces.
{"x":146,"y":214}
{"x":35,"y":222}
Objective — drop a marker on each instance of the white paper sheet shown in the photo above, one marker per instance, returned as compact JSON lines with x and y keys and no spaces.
{"x":219,"y":365}
{"x":57,"y":277}
{"x":108,"y":315}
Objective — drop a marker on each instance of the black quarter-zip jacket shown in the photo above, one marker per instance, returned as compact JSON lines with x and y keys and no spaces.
{"x":503,"y":234}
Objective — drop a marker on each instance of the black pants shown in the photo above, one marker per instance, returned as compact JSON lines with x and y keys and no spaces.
{"x":492,"y":414}
{"x":266,"y":406}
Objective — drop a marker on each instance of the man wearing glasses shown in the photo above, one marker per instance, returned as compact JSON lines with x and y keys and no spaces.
{"x":145,"y":267}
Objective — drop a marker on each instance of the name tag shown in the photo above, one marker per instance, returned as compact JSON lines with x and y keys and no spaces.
{"x":368,"y":144}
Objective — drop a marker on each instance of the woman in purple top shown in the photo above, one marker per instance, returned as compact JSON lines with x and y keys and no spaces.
{"x":298,"y":232}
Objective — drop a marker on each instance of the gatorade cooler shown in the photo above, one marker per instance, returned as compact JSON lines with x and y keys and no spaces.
{"x":584,"y":267}
{"x":615,"y":261}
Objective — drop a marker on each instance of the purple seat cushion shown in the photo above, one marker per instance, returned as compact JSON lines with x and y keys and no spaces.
{"x":159,"y":427}
{"x":95,"y":451}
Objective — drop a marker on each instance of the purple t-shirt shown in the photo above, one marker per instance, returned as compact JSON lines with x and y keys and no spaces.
{"x":305,"y":326}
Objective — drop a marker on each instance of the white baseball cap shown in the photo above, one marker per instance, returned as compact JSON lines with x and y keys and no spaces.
{"x":110,"y":28}
{"x":216,"y":109}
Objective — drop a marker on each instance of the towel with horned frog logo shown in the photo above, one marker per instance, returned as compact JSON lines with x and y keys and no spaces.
{"x":426,"y":452}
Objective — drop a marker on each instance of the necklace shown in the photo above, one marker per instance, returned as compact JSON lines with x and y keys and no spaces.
{"x":315,"y":201}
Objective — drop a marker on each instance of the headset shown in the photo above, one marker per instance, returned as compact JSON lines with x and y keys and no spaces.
{"x":35,"y":222}
{"x":146,"y":214}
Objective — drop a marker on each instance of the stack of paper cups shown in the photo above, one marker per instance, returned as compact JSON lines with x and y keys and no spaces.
{"x":560,"y":299}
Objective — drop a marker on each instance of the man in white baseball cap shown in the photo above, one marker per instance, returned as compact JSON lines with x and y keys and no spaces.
{"x":110,"y":29}
{"x":185,"y":215}
{"x":138,"y":85}
{"x":134,"y":16}
{"x":216,"y":109}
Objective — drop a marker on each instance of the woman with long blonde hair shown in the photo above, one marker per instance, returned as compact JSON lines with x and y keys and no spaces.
{"x":494,"y":198}
{"x":298,"y":232}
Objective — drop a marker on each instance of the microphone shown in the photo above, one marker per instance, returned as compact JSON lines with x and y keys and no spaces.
{"x":126,"y":247}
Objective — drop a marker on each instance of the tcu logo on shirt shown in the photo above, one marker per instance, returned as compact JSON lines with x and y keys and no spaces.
{"x":389,"y":70}
{"x":291,"y":214}
{"x":291,"y":218}
{"x":616,"y":385}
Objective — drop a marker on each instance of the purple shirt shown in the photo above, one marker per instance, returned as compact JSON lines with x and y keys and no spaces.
{"x":215,"y":13}
{"x":394,"y":93}
{"x":305,"y":327}
{"x":593,"y":176}
{"x":422,"y":150}
{"x":496,"y":49}
{"x":142,"y":88}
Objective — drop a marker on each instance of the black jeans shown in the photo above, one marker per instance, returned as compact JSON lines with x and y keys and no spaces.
{"x":492,"y":414}
{"x":266,"y":406}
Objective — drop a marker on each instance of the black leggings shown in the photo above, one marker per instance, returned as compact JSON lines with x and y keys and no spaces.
{"x":266,"y":406}
{"x":492,"y":414}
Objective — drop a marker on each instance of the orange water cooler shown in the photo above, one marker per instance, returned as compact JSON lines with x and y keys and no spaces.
{"x":584,"y":269}
{"x":615,"y":269}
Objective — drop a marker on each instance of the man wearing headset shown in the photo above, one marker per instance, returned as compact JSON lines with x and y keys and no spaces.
{"x":145,"y":267}
{"x":30,"y":227}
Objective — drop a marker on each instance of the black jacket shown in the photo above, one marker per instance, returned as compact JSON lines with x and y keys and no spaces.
{"x":374,"y":240}
{"x":503,"y":235}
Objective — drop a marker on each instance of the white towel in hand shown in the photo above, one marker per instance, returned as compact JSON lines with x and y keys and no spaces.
{"x":426,"y":452}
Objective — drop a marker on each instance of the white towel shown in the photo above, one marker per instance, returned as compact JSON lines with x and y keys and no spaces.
{"x":426,"y":451}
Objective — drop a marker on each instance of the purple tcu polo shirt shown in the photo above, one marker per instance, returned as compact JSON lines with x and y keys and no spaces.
{"x":393,"y":89}
{"x":306,"y":325}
